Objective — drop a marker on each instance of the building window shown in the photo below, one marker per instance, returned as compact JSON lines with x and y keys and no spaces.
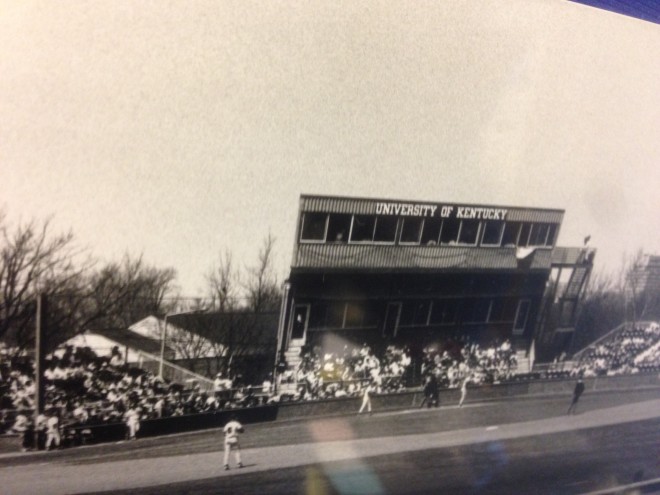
{"x":469,"y":232}
{"x":385,"y":229}
{"x":372,"y":313}
{"x":411,"y":230}
{"x":539,"y":234}
{"x":476,"y":310}
{"x":492,"y":234}
{"x":502,"y":310}
{"x":313,"y":227}
{"x":422,"y":310}
{"x":317,"y":315}
{"x":510,"y":236}
{"x":443,"y":312}
{"x":335,"y":315}
{"x":354,"y":315}
{"x":431,"y":231}
{"x":415,"y":313}
{"x":521,"y":317}
{"x":449,"y":234}
{"x":523,"y":238}
{"x":552,"y":232}
{"x":338,"y":227}
{"x":392,"y":315}
{"x":363,"y":228}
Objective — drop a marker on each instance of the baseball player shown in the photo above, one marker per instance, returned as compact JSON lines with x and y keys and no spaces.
{"x":231,"y":431}
{"x":366,"y":398}
{"x":463,"y":391}
{"x":53,"y":430}
{"x":132,"y":419}
{"x":577,"y":392}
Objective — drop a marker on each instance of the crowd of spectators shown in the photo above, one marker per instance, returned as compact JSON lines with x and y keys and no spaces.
{"x":83,"y":389}
{"x":459,"y":360}
{"x":345,"y":374}
{"x":629,"y":351}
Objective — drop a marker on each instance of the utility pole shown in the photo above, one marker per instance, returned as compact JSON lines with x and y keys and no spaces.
{"x":162,"y":348}
{"x":39,"y":355}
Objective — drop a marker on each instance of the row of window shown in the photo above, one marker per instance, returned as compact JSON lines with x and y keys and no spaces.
{"x":343,"y":228}
{"x":435,"y":312}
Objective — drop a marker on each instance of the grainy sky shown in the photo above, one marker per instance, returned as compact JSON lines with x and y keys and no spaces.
{"x":183,"y":129}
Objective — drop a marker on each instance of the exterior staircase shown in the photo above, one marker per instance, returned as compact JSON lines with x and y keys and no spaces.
{"x":524,"y":363}
{"x":292,"y":355}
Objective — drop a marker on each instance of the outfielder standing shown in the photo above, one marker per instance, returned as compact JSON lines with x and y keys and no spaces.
{"x":577,"y":392}
{"x":231,"y":431}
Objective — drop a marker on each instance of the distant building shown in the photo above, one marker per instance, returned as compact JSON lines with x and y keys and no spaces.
{"x":133,"y":346}
{"x":242,"y":343}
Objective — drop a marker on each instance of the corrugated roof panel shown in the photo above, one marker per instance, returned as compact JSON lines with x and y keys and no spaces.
{"x":533,"y":215}
{"x":369,"y":257}
{"x":569,"y":255}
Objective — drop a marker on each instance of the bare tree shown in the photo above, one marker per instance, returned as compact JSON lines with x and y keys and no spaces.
{"x":194,"y":342}
{"x":224,"y":284}
{"x":131,"y":290}
{"x":242,"y":339}
{"x":633,"y":278}
{"x":32,"y":262}
{"x":263,"y":292}
{"x":602,"y":308}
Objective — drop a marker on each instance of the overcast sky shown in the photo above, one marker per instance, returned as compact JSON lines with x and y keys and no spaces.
{"x":183,"y":129}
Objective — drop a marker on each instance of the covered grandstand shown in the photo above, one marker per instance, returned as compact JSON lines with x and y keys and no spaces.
{"x":382,"y":272}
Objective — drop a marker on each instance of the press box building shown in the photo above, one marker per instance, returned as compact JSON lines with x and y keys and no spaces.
{"x":413,"y":273}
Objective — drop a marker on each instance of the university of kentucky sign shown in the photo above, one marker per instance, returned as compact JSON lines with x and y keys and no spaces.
{"x":442,"y":211}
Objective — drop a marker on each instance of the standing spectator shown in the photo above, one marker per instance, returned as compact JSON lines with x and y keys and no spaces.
{"x":430,"y":392}
{"x":41,"y":426}
{"x":577,"y":392}
{"x":222,"y":389}
{"x":366,"y":398}
{"x":23,"y":426}
{"x":53,"y":430}
{"x":231,"y":431}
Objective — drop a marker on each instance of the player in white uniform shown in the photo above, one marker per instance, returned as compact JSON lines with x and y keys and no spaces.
{"x":463,"y":391}
{"x":132,"y":419}
{"x":366,"y":398}
{"x":53,"y":430}
{"x":231,"y":431}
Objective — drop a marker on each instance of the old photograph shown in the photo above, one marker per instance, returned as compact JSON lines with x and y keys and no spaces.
{"x":354,"y":247}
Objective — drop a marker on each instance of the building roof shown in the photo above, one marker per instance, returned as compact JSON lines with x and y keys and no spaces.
{"x":127,"y":338}
{"x":314,"y":257}
{"x":252,"y":331}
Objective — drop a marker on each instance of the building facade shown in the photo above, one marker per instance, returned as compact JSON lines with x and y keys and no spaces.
{"x":383,"y":271}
